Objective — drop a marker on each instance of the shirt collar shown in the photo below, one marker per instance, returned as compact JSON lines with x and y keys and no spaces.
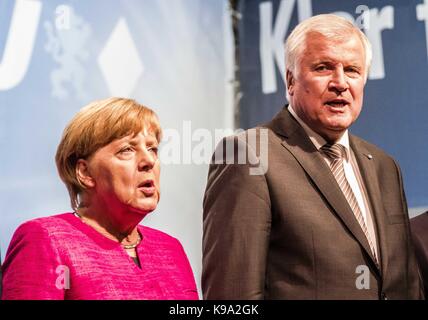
{"x":316,"y":139}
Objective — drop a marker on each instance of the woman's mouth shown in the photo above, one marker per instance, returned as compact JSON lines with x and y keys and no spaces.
{"x":147,"y":187}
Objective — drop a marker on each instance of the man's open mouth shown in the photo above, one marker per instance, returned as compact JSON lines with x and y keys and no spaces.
{"x":337,"y":103}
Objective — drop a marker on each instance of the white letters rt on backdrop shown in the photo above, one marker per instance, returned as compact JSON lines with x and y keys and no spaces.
{"x":422,"y":15}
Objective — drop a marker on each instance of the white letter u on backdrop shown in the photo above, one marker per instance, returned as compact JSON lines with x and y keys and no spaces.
{"x":19,"y":43}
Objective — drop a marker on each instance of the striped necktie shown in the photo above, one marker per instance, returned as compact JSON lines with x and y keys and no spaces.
{"x":335,"y":153}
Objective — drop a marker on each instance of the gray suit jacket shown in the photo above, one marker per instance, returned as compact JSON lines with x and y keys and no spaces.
{"x":419,"y":227}
{"x":290,"y":233}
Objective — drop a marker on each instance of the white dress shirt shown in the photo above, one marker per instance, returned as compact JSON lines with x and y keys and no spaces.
{"x":352,"y":172}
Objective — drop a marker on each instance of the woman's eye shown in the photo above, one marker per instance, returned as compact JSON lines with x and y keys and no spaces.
{"x":126,"y":149}
{"x":153,"y":149}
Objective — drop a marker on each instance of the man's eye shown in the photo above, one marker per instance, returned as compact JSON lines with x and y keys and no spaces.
{"x":321,"y":68}
{"x":352,"y":70}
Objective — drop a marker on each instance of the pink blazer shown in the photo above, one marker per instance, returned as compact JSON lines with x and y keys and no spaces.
{"x":60,"y":257}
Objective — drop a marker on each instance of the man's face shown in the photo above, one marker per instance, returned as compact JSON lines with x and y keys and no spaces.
{"x":327,"y":90}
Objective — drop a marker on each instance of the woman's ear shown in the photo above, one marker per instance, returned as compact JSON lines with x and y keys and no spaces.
{"x":83,"y":175}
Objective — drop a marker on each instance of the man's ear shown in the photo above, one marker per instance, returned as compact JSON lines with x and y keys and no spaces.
{"x":83,"y":174}
{"x":289,"y":78}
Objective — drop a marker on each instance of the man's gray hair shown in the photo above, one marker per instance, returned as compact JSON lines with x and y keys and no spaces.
{"x":330,"y":26}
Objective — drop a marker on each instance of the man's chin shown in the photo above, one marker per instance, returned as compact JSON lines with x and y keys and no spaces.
{"x":340,"y":125}
{"x":332,"y":134}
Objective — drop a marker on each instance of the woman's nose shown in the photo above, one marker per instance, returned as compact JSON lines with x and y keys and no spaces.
{"x":147,"y":159}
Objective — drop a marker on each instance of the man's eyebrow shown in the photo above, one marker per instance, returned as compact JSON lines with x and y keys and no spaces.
{"x":317,"y":63}
{"x":352,"y":65}
{"x":323,"y":61}
{"x":355,"y":64}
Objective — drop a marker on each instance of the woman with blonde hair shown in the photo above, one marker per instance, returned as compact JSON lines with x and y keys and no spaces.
{"x":108,"y":160}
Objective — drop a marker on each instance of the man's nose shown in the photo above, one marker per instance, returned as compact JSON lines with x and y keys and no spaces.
{"x":338,"y":81}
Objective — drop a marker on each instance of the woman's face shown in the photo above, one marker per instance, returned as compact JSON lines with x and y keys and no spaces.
{"x":125,"y":173}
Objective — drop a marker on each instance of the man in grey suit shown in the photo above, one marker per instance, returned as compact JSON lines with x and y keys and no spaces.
{"x":419,"y":228}
{"x":326,"y":215}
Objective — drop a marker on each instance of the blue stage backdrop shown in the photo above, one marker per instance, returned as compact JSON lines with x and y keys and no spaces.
{"x":395,"y":112}
{"x":58,"y":55}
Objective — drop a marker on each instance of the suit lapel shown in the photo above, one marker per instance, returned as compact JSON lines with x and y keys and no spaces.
{"x":367,"y":165}
{"x":299,"y":145}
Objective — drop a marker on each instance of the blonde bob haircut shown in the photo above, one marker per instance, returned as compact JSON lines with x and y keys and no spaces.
{"x":95,"y":126}
{"x":332,"y":27}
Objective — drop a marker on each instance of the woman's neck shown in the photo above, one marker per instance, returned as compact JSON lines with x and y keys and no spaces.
{"x":111,"y":225}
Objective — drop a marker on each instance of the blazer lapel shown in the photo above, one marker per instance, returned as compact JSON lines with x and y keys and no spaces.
{"x":367,"y":165}
{"x":299,"y":145}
